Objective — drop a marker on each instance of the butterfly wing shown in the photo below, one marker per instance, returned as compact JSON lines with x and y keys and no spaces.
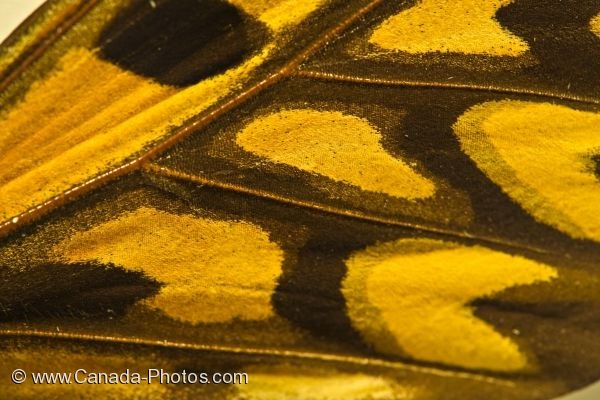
{"x":330,"y":199}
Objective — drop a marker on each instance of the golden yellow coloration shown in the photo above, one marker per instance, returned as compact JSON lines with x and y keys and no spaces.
{"x":342,"y":147}
{"x":466,"y":26}
{"x":47,"y":21}
{"x":84,"y":34}
{"x":91,"y":116}
{"x":297,"y":385}
{"x":98,"y":117}
{"x":411,"y":297}
{"x":213,"y":271}
{"x":595,"y":25}
{"x":540,"y":154}
{"x":64,"y":144}
{"x":278,"y":14}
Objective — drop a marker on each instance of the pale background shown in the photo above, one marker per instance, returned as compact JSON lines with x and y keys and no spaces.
{"x":12,"y":12}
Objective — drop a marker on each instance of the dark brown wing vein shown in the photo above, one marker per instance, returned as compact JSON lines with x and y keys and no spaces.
{"x":167,"y":172}
{"x":70,"y":17}
{"x":288,"y":354}
{"x":187,"y":129}
{"x":328,"y":76}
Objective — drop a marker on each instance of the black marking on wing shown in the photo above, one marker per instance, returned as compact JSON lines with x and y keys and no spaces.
{"x":181,"y":42}
{"x":83,"y":290}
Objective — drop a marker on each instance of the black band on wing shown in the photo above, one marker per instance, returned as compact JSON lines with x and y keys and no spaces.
{"x":84,"y":290}
{"x":181,"y":42}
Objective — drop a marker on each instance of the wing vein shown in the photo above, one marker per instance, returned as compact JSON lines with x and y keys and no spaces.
{"x":271,"y":352}
{"x":202,"y":180}
{"x":187,"y":129}
{"x":329,"y":76}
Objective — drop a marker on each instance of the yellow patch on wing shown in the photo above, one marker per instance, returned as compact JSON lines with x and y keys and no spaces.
{"x":342,"y":147}
{"x":541,"y":155}
{"x":595,"y":25}
{"x":88,"y":117}
{"x":278,"y":14}
{"x":446,"y":26}
{"x":213,"y":271}
{"x":411,"y":297}
{"x":291,"y":384}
